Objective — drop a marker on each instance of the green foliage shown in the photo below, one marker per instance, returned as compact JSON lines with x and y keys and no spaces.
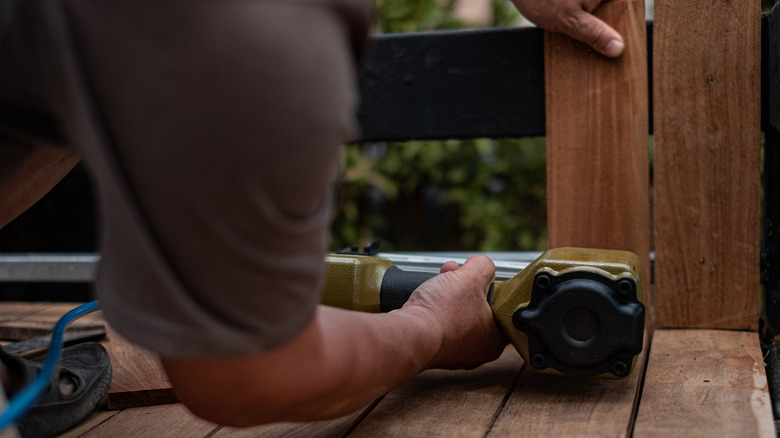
{"x":414,"y":15}
{"x":425,"y":15}
{"x":482,"y":194}
{"x":767,"y":4}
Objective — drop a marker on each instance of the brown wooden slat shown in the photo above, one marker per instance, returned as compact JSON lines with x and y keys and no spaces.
{"x":444,"y":403}
{"x":138,"y":377}
{"x":597,"y":142}
{"x":706,"y":167}
{"x":544,"y":406}
{"x":91,"y":422}
{"x":38,"y":319}
{"x":705,"y":383}
{"x":153,"y":421}
{"x":335,"y":428}
{"x":11,"y":311}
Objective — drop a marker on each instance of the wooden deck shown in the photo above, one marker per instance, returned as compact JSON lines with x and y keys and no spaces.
{"x":697,"y":383}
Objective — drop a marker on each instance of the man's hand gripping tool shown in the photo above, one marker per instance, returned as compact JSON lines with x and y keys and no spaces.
{"x":572,"y":311}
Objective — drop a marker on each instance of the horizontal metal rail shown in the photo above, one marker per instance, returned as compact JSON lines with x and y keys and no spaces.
{"x":49,"y":267}
{"x":82,"y":267}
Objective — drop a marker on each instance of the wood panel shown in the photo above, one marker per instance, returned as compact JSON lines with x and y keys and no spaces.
{"x":706,"y":82}
{"x":545,"y":406}
{"x":20,"y":321}
{"x":597,"y":141}
{"x":705,"y":383}
{"x":138,"y":377}
{"x":98,"y":417}
{"x":153,"y":421}
{"x":11,"y":311}
{"x":335,"y":428}
{"x":440,"y":403}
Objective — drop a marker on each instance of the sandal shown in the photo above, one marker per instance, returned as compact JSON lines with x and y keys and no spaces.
{"x":86,"y":365}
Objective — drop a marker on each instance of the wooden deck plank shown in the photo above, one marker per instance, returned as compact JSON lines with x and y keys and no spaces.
{"x":544,"y":405}
{"x":26,"y":320}
{"x":335,"y":428}
{"x":440,"y":403}
{"x":706,"y":81}
{"x":705,"y":383}
{"x":598,"y":169}
{"x":12,"y":310}
{"x":173,"y":420}
{"x":138,"y":377}
{"x":91,"y":422}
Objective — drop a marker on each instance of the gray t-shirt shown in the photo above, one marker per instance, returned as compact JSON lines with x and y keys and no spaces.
{"x":212,"y":129}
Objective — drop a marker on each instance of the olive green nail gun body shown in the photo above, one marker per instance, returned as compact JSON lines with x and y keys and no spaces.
{"x":572,"y":311}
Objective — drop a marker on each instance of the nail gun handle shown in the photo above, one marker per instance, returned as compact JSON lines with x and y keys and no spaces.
{"x":370,"y":284}
{"x":398,"y":285}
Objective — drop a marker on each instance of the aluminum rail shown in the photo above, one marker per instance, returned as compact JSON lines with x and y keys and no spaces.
{"x":507,"y":263}
{"x":82,"y":267}
{"x":48,"y":267}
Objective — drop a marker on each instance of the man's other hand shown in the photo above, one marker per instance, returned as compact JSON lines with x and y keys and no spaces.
{"x":575,"y":19}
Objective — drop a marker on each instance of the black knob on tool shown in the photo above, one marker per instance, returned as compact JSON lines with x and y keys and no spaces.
{"x":582,"y":323}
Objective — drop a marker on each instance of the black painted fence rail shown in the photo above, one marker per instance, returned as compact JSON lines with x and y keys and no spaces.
{"x":461,"y":84}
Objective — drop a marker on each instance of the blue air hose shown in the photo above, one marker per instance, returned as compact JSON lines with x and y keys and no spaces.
{"x":25,"y":398}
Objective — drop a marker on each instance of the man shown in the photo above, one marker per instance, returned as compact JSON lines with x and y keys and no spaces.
{"x":212,"y":130}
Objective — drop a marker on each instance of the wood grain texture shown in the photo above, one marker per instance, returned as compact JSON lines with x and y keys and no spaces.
{"x":39,"y":320}
{"x":11,"y":310}
{"x":597,"y":141}
{"x":706,"y":81}
{"x":705,"y":383}
{"x":544,"y":406}
{"x":153,"y":421}
{"x":138,"y":377}
{"x":20,"y":320}
{"x":335,"y":428}
{"x":94,"y":420}
{"x":440,"y":403}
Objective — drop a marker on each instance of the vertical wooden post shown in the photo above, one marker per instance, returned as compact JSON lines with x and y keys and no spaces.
{"x":597,"y":139}
{"x":706,"y":167}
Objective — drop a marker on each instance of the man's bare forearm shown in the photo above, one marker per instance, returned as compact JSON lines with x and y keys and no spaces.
{"x":344,"y":360}
{"x":341,"y":362}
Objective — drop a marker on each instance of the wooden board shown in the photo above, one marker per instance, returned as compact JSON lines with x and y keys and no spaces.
{"x":94,"y":420}
{"x":138,"y":377}
{"x":706,"y":101}
{"x":597,"y":142}
{"x":705,"y":383}
{"x":335,"y":428}
{"x":153,"y":421}
{"x":11,"y":311}
{"x":38,"y":319}
{"x":545,"y":406}
{"x":441,"y":403}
